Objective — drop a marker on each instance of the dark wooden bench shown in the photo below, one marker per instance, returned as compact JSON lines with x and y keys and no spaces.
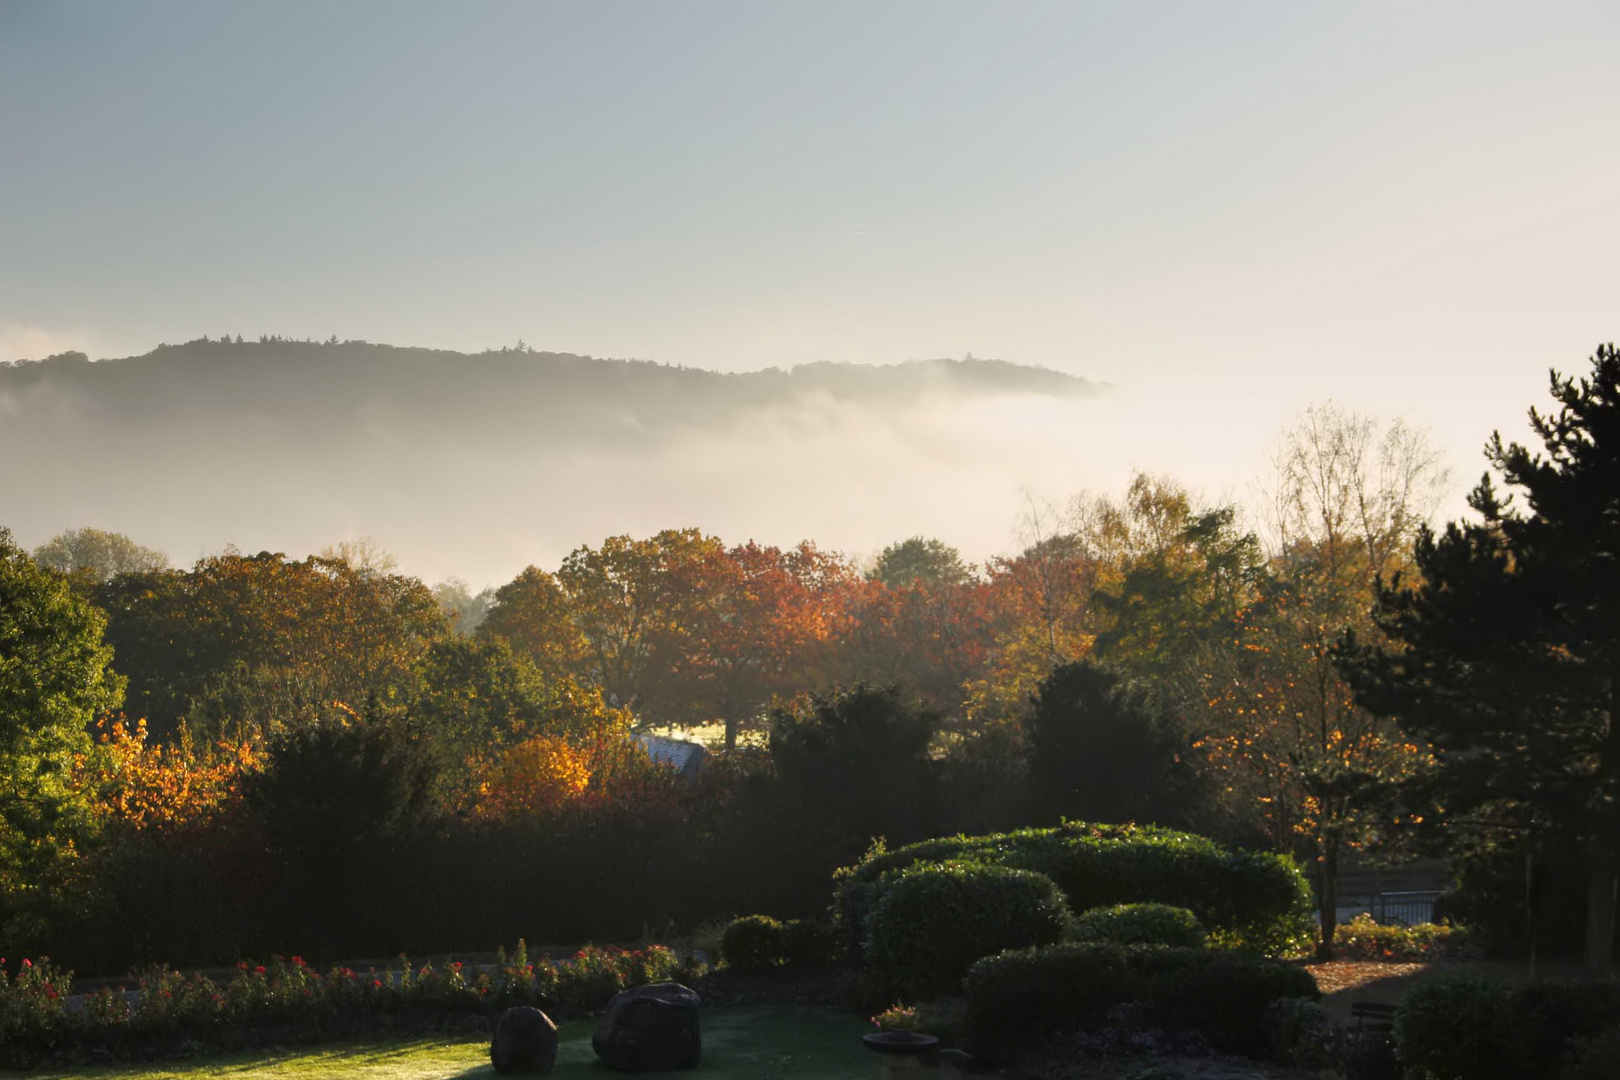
{"x":1373,"y":1015}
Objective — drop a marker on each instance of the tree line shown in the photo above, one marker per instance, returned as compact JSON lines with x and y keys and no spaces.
{"x":1337,"y":677}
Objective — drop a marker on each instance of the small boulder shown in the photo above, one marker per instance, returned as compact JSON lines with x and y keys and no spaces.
{"x":650,"y":1029}
{"x":525,"y":1041}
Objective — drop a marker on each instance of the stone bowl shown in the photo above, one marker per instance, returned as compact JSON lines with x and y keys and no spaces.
{"x":908,"y":1043}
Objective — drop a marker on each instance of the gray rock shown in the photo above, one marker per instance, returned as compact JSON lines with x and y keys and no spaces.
{"x":525,"y":1041}
{"x":650,"y":1029}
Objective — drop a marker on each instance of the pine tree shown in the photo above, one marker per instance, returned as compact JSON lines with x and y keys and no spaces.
{"x":1506,"y":652}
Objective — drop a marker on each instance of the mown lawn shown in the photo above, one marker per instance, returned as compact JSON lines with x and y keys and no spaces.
{"x":738,"y":1044}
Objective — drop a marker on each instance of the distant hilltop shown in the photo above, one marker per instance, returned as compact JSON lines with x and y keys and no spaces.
{"x":497,"y":458}
{"x":308,"y":388}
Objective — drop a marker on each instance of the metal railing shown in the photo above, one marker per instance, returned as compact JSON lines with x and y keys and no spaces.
{"x":1405,"y":908}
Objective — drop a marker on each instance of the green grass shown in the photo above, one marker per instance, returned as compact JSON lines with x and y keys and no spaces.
{"x":738,"y":1044}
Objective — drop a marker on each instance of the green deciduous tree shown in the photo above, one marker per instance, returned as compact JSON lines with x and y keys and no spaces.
{"x":1505,"y":654}
{"x":97,"y":556}
{"x":54,"y":679}
{"x":919,"y":560}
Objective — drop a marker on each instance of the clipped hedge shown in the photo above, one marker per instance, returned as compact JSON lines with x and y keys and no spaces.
{"x":1255,"y":900}
{"x":1474,"y":1028}
{"x":1022,"y":995}
{"x":932,"y":922}
{"x":1139,"y":924}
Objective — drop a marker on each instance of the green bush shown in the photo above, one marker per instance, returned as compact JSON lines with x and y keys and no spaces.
{"x":1462,"y":1027}
{"x":1022,"y":995}
{"x":932,"y":922}
{"x":1362,"y":938}
{"x":1225,"y":995}
{"x":1466,"y":1027}
{"x":1139,"y":924}
{"x":1255,"y":900}
{"x":753,"y":943}
{"x":1303,"y":1034}
{"x":808,"y":944}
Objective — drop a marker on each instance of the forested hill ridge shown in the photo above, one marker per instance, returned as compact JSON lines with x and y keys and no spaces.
{"x":482,"y":463}
{"x":282,"y":387}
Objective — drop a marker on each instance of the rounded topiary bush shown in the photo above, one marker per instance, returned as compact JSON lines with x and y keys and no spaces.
{"x":753,"y":943}
{"x":932,"y":922}
{"x":1139,"y":924}
{"x":1258,"y":901}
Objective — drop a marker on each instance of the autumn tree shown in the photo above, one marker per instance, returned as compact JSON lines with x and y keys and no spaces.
{"x":532,"y":614}
{"x":936,"y":640}
{"x":1041,"y":614}
{"x":54,"y":680}
{"x":1504,"y":653}
{"x":1280,"y":726}
{"x":258,"y":643}
{"x":761,"y":624}
{"x":632,"y":602}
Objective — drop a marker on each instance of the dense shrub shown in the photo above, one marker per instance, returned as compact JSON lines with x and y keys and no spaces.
{"x":1225,"y":995}
{"x":753,"y":943}
{"x":287,"y":1001}
{"x":932,"y":922}
{"x":1461,"y":1027}
{"x":1257,"y":900}
{"x":1302,"y":1034}
{"x":1139,"y":924}
{"x":808,"y":944}
{"x":1362,"y":938}
{"x":1021,"y":995}
{"x":1465,"y":1026}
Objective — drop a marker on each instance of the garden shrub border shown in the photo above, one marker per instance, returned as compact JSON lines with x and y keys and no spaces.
{"x":1022,"y":995}
{"x":289,"y":1002}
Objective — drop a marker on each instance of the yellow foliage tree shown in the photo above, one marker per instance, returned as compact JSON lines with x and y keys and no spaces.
{"x":534,"y":778}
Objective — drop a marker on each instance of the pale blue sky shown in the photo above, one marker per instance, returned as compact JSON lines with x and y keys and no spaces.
{"x":1229,"y":210}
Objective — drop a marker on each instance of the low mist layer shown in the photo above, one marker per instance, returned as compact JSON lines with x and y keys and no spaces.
{"x":478,"y":464}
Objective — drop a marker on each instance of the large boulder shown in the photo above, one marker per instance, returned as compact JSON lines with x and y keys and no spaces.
{"x":525,"y":1041}
{"x":650,"y":1029}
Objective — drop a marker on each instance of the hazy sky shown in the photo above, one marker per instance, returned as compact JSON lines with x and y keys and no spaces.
{"x":1228,"y":210}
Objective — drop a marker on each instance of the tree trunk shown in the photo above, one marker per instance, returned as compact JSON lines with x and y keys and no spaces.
{"x":1600,"y":908}
{"x":1328,"y":898}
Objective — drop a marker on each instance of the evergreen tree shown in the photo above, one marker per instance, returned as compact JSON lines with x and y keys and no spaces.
{"x":1505,"y":654}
